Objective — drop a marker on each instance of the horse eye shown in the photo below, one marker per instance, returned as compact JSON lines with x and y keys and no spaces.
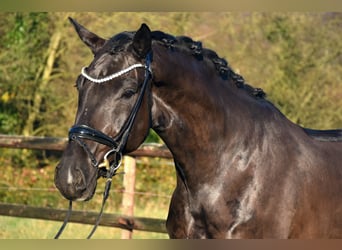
{"x":128,"y":93}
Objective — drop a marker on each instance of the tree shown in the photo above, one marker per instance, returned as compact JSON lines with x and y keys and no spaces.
{"x":21,"y":59}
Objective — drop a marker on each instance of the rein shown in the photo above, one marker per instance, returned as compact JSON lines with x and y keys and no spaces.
{"x":117,"y":144}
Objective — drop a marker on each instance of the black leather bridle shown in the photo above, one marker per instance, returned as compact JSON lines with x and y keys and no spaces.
{"x":108,"y":168}
{"x":118,"y":143}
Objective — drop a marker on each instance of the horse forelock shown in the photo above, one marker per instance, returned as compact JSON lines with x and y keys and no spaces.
{"x":119,"y":42}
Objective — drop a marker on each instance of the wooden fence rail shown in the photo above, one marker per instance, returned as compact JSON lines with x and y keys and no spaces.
{"x":58,"y":144}
{"x":109,"y":220}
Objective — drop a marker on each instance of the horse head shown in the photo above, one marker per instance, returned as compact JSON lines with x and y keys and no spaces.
{"x":113,"y":115}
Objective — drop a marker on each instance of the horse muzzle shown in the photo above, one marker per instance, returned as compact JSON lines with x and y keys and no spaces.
{"x":73,"y":183}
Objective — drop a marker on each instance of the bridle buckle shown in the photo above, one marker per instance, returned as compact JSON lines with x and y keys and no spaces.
{"x":111,"y":168}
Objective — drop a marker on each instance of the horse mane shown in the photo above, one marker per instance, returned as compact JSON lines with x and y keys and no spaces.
{"x":195,"y":48}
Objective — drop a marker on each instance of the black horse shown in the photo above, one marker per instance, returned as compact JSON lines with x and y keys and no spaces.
{"x":243,"y":169}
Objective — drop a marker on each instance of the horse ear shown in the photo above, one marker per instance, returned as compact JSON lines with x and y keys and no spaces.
{"x":142,"y":41}
{"x":93,"y":41}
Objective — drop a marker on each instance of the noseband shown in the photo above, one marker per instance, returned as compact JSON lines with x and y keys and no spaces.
{"x":117,"y":144}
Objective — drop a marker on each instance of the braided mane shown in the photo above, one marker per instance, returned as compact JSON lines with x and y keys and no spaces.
{"x":187,"y":45}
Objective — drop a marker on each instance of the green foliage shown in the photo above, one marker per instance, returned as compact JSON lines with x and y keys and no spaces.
{"x":8,"y":122}
{"x":24,"y":37}
{"x":307,"y":68}
{"x":153,"y":137}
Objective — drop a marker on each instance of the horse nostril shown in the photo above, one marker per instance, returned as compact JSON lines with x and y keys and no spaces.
{"x":80,"y":181}
{"x":80,"y":187}
{"x":74,"y":182}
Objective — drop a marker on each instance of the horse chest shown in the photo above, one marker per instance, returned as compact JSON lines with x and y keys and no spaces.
{"x":210,"y":213}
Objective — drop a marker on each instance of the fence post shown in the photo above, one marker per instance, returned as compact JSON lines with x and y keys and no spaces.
{"x":128,"y":195}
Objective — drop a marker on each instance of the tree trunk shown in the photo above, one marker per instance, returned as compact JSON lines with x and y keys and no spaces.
{"x":43,"y":82}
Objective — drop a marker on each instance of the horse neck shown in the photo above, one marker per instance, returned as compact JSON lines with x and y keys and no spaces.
{"x":199,"y":115}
